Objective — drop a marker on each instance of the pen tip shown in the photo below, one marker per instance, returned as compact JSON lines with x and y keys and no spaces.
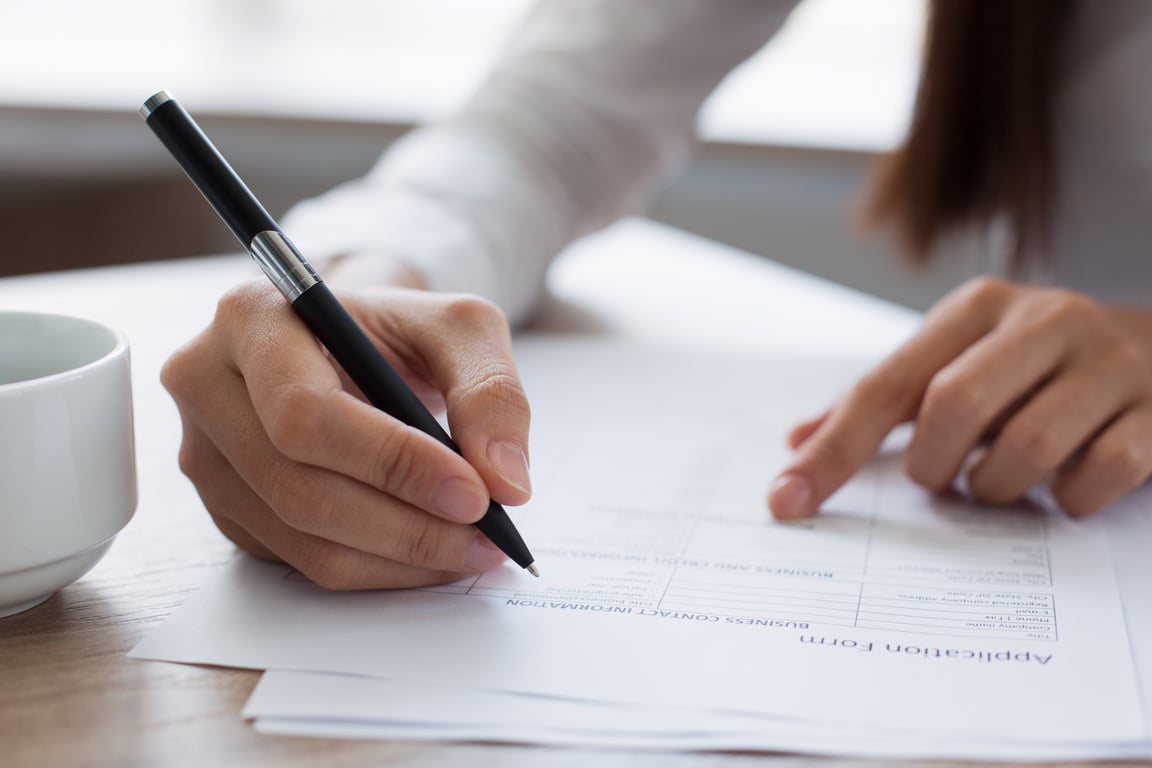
{"x":532,"y":569}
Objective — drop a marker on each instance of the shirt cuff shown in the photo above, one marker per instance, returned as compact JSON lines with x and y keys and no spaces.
{"x":437,"y":244}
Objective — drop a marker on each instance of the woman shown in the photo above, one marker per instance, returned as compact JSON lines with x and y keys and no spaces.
{"x":1025,"y":120}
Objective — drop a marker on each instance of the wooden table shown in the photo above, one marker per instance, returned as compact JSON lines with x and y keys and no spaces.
{"x":69,"y":696}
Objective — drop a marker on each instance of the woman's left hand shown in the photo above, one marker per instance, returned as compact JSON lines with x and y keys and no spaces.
{"x":1048,"y":384}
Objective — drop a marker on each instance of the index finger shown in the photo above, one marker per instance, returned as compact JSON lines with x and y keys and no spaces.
{"x":888,"y":395}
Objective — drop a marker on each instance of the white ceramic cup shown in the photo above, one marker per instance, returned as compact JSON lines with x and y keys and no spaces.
{"x":67,"y":457}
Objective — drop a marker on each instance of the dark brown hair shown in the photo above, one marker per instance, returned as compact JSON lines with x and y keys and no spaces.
{"x":981,"y":139}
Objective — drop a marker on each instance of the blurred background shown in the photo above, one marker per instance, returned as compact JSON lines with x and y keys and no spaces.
{"x":303,"y":94}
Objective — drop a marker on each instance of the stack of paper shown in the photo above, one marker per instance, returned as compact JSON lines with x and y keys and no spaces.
{"x":672,"y":613}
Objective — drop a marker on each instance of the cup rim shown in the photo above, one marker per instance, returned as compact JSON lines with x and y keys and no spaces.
{"x":119,"y":348}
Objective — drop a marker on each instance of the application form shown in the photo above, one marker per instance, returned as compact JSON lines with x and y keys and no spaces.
{"x":665,"y":583}
{"x":881,"y":556}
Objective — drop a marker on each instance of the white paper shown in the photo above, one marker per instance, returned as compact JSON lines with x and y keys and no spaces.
{"x":349,"y":706}
{"x":1128,"y":526}
{"x":664,"y":583}
{"x":330,"y":705}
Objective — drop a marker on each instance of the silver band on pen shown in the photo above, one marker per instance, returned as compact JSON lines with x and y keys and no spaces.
{"x":288,"y":270}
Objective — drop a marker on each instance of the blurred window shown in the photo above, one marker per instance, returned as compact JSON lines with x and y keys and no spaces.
{"x":841,"y":73}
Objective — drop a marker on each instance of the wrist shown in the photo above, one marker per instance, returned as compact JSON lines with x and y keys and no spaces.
{"x":363,"y":269}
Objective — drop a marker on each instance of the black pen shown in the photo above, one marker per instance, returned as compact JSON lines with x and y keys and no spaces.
{"x":309,"y":296}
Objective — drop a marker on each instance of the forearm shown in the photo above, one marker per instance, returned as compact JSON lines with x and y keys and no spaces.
{"x":589,"y":112}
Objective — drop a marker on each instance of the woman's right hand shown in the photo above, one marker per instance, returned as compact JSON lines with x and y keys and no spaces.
{"x":293,"y":465}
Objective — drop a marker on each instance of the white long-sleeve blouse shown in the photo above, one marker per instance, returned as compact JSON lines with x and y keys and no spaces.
{"x":594,"y":104}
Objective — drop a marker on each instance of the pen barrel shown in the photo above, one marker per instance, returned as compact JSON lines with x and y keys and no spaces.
{"x":498,"y":527}
{"x":209,"y":171}
{"x":363,"y":363}
{"x":384,"y":388}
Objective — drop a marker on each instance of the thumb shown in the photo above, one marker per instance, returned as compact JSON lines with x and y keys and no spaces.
{"x":469,"y":357}
{"x":489,"y":415}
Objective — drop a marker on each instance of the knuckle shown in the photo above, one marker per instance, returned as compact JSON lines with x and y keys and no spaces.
{"x":328,"y":565}
{"x":1124,"y":463}
{"x":883,"y":390}
{"x":1058,"y":308}
{"x":994,"y":491}
{"x":173,"y":374}
{"x":470,"y":310}
{"x":950,"y":402}
{"x":984,"y":292}
{"x":1080,"y":494}
{"x":397,"y":468}
{"x":421,"y":542}
{"x":1069,"y":307}
{"x":497,"y":386}
{"x":310,"y":513}
{"x":239,"y":301}
{"x":1077,"y":504}
{"x":1077,"y":314}
{"x":182,"y":374}
{"x":193,"y":463}
{"x":304,"y":516}
{"x":296,"y":419}
{"x":923,"y":473}
{"x":1033,"y":448}
{"x":241,"y":320}
{"x":1126,"y":356}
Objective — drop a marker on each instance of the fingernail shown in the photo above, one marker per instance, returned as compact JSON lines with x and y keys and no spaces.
{"x":511,"y":463}
{"x":457,"y":499}
{"x":790,"y":496}
{"x":483,"y":555}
